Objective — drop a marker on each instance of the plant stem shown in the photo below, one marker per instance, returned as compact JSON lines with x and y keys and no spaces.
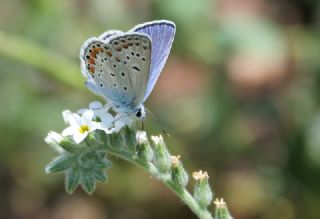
{"x":182,"y":193}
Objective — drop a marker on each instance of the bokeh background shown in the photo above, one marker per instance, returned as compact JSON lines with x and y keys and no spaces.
{"x":240,"y":97}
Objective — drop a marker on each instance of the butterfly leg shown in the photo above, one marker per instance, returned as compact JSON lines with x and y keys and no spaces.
{"x":141,"y":126}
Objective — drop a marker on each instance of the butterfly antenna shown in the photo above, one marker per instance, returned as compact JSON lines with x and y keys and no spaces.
{"x":158,"y":123}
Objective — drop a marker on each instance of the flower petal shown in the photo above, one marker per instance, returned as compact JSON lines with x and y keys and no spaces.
{"x":95,"y":105}
{"x":87,"y":117}
{"x":68,"y":131}
{"x":107,"y":120}
{"x":118,"y":125}
{"x":81,"y":111}
{"x":94,"y":126}
{"x":53,"y":138}
{"x":70,"y":118}
{"x":79,"y":137}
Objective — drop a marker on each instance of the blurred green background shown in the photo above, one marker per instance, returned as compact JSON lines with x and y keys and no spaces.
{"x":239,"y":95}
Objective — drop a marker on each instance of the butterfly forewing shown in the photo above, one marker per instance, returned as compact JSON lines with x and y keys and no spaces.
{"x":162,"y":35}
{"x":119,"y":68}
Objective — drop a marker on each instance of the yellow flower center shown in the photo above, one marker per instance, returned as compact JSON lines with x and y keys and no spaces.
{"x":84,"y":128}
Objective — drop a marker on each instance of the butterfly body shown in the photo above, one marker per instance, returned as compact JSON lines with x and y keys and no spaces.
{"x":123,"y":67}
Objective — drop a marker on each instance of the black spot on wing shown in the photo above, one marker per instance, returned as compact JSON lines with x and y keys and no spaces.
{"x":136,"y":68}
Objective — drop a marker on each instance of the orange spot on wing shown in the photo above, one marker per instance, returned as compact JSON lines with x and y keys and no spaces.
{"x":95,"y":51}
{"x":109,"y":53}
{"x":91,"y":70}
{"x":91,"y":61}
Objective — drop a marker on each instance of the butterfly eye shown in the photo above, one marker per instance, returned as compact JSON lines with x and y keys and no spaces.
{"x":139,"y":113}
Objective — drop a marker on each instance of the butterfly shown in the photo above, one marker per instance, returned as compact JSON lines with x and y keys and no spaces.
{"x":123,"y":67}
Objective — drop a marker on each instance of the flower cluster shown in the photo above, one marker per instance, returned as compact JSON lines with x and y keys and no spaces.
{"x":85,"y":121}
{"x":95,"y":133}
{"x":81,"y":156}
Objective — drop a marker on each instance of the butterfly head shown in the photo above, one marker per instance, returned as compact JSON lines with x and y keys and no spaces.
{"x":141,"y":113}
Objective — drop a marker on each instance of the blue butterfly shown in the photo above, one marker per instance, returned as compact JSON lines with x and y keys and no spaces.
{"x":123,"y":67}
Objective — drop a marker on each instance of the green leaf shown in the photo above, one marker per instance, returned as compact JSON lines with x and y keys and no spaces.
{"x":72,"y":180}
{"x":69,"y":146}
{"x":105,"y":163}
{"x":116,"y":140}
{"x":100,"y":175}
{"x":88,"y":182}
{"x":60,"y":164}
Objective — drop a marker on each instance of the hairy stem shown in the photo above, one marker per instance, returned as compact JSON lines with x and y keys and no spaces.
{"x":182,"y":193}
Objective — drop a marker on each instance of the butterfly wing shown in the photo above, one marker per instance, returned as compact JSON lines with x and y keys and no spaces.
{"x":109,"y":34}
{"x":162,"y":35}
{"x":118,"y":68}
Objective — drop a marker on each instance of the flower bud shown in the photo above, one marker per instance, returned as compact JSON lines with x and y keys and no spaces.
{"x":69,"y":145}
{"x":91,"y":139}
{"x":202,"y":191}
{"x":179,"y":175}
{"x":130,"y":137}
{"x":115,"y":140}
{"x":59,"y":143}
{"x":221,"y":210}
{"x":144,"y":150}
{"x":162,"y":156}
{"x":54,"y":139}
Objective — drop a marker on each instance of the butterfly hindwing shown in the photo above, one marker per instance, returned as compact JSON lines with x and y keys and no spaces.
{"x":106,"y":35}
{"x":162,"y":35}
{"x":118,"y":68}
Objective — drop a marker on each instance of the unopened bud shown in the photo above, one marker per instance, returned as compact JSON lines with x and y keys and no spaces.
{"x":130,"y":137}
{"x":59,"y":143}
{"x":179,"y":175}
{"x":221,"y":210}
{"x":115,"y":140}
{"x":54,"y":139}
{"x":202,"y":191}
{"x":162,"y":156}
{"x":144,"y":150}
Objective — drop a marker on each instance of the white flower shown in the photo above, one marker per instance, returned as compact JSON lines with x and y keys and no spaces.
{"x":101,"y":113}
{"x":119,"y":121}
{"x":108,"y":122}
{"x":54,"y":139}
{"x":80,"y":126}
{"x":141,"y":137}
